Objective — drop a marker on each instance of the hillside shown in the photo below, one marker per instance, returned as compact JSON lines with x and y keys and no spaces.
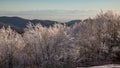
{"x":21,"y":22}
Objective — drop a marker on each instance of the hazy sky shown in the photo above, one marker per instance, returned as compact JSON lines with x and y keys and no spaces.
{"x":37,"y":6}
{"x":26,"y":5}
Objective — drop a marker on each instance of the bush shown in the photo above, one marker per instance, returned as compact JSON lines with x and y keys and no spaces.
{"x":91,"y":42}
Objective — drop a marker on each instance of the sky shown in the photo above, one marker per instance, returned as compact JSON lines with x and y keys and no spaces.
{"x":57,"y":7}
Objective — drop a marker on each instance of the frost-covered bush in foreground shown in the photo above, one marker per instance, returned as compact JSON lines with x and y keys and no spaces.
{"x":91,"y":42}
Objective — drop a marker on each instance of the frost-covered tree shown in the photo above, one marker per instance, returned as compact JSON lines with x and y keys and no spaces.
{"x":10,"y":44}
{"x":93,"y":41}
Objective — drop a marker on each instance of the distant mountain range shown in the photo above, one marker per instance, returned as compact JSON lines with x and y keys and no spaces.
{"x":19,"y":24}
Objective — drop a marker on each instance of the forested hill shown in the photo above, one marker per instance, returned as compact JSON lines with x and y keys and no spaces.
{"x":21,"y":22}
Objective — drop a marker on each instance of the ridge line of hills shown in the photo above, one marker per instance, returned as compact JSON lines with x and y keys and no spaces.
{"x":18,"y":23}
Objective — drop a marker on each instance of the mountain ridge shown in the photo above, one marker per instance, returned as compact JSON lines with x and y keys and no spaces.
{"x":19,"y":23}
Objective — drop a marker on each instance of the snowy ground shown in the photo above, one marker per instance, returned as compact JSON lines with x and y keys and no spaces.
{"x":104,"y":66}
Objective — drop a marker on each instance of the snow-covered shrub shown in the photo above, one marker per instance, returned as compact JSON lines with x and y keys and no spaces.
{"x":10,"y":45}
{"x":90,"y":42}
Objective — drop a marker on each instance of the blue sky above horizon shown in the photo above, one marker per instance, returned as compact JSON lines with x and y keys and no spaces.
{"x":28,"y":5}
{"x":79,"y":8}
